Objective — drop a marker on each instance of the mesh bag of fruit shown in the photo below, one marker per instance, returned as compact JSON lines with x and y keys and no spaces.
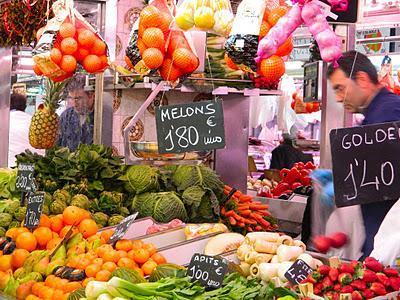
{"x":213,"y":16}
{"x":66,"y":41}
{"x":242,"y":43}
{"x":151,"y":36}
{"x":180,"y":58}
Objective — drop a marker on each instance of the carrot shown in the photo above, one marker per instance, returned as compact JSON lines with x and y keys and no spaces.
{"x":264,"y":223}
{"x":264,"y":212}
{"x":223,"y":211}
{"x":255,"y":216}
{"x":256,"y":202}
{"x":246,"y":198}
{"x":248,"y":221}
{"x":258,"y":206}
{"x":243,"y":207}
{"x":232,"y":221}
{"x":240,"y":224}
{"x":229,"y":213}
{"x":245,"y":213}
{"x":237,"y":217}
{"x":237,"y":194}
{"x":227,"y":187}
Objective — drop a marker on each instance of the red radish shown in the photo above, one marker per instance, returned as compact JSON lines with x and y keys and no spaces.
{"x":339,"y":239}
{"x":322,"y":243}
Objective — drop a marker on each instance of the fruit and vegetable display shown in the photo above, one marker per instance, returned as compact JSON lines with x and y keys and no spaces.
{"x":66,"y":41}
{"x":243,"y":214}
{"x":207,"y":15}
{"x":300,"y":107}
{"x":267,"y":256}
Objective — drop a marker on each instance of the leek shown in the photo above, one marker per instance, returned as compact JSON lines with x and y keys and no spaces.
{"x":104,"y":296}
{"x":95,"y":288}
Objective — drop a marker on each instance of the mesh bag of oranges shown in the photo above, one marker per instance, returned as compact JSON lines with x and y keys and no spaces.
{"x":66,"y":41}
{"x":213,"y":16}
{"x":147,"y":45}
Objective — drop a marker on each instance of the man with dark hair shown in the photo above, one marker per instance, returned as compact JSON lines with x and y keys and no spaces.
{"x":76,"y":122}
{"x":355,"y":83}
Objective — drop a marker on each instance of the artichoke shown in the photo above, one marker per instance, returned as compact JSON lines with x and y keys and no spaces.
{"x":100,"y":218}
{"x":115,"y":220}
{"x":46,"y":210}
{"x":57,"y":207}
{"x":124,"y":211}
{"x":48,"y":198}
{"x":50,"y":186}
{"x":62,"y":195}
{"x":20,"y":213}
{"x":5,"y":220}
{"x":110,"y":202}
{"x":2,"y":231}
{"x":81,"y":201}
{"x":11,"y":206}
{"x":14,"y":224}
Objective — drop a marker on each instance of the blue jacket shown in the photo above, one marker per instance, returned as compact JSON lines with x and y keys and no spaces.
{"x":385,"y":107}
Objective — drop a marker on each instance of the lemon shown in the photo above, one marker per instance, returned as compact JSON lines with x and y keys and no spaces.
{"x":204,"y":17}
{"x":184,"y":19}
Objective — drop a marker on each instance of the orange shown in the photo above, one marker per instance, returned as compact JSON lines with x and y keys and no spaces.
{"x":286,"y":48}
{"x":158,"y":258}
{"x":72,"y":215}
{"x":139,"y":270}
{"x":276,"y":14}
{"x":148,"y":267}
{"x":99,"y":47}
{"x":87,"y":280}
{"x":128,"y":62}
{"x":45,"y":221}
{"x":53,"y":243}
{"x":88,"y":227}
{"x":168,"y":71}
{"x":110,"y":256}
{"x":56,"y":224}
{"x":106,"y":234}
{"x":62,"y":77}
{"x":109,"y":266}
{"x":36,"y":287}
{"x":85,"y":214}
{"x":86,"y":38}
{"x":37,"y":70}
{"x":26,"y":241}
{"x":81,"y":53}
{"x":104,"y":61}
{"x":120,"y":254}
{"x":151,"y":248}
{"x":125,"y":245}
{"x":182,"y":58}
{"x":141,"y":46}
{"x":229,"y":62}
{"x":153,"y":58}
{"x":21,"y":230}
{"x":137,"y":244}
{"x":83,"y":263}
{"x":126,"y":262}
{"x":43,"y":235}
{"x":55,"y":235}
{"x":5,"y":263}
{"x":141,"y":256}
{"x":69,"y":45}
{"x":50,"y":280}
{"x":154,"y":38}
{"x":265,"y":27}
{"x":165,"y":23}
{"x":92,"y":63}
{"x":273,"y":68}
{"x":98,"y":261}
{"x":39,"y":33}
{"x":12,"y":233}
{"x":65,"y":229}
{"x":92,"y":269}
{"x":32,"y":297}
{"x":103,"y":275}
{"x":150,"y":16}
{"x":103,"y":249}
{"x":67,"y":29}
{"x":58,"y":294}
{"x":18,"y":257}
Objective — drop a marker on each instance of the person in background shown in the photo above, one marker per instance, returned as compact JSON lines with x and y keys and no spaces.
{"x":76,"y":122}
{"x":286,"y":154}
{"x":19,"y":129}
{"x":385,"y":74}
{"x":356,"y":85}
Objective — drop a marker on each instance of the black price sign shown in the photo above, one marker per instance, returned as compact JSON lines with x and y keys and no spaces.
{"x":346,"y":11}
{"x":190,"y":127}
{"x":34,"y":209}
{"x":122,"y":228}
{"x":208,"y":270}
{"x":298,"y":271}
{"x":25,"y":181}
{"x":366,"y":163}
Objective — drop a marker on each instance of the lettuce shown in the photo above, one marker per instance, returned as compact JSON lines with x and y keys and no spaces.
{"x":142,"y":178}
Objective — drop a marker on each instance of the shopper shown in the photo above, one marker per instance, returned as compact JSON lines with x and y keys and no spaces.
{"x":76,"y":122}
{"x":355,"y":83}
{"x":19,"y":129}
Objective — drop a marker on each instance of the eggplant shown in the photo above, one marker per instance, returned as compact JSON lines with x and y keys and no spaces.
{"x":69,"y":273}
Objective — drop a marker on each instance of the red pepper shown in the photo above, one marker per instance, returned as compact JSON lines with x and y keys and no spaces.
{"x":305,"y":172}
{"x":295,"y":185}
{"x":283,"y":173}
{"x":299,"y":165}
{"x":292,"y":176}
{"x":305,"y":181}
{"x":309,"y":165}
{"x":280,"y":188}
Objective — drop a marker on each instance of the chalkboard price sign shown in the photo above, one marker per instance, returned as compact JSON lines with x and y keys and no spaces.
{"x":34,"y":209}
{"x":366,"y":163}
{"x":190,"y":127}
{"x":122,"y":228}
{"x":25,"y":181}
{"x":298,"y":271}
{"x":208,"y":270}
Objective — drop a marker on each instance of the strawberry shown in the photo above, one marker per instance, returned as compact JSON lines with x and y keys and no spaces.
{"x":327,"y":284}
{"x":369,"y":276}
{"x":346,"y":268}
{"x":368,"y":294}
{"x":378,"y":289}
{"x":391,"y":272}
{"x":372,"y":264}
{"x":318,"y":288}
{"x":382,"y":278}
{"x":359,"y":285}
{"x":355,"y":263}
{"x":313,"y":278}
{"x":346,"y":289}
{"x":345,"y":278}
{"x":356,"y":295}
{"x":337,"y":287}
{"x":333,"y":274}
{"x":394,"y":283}
{"x":324,"y":269}
{"x":336,"y":296}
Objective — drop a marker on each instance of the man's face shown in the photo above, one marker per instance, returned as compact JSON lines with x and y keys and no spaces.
{"x":81,"y":101}
{"x":348,"y":91}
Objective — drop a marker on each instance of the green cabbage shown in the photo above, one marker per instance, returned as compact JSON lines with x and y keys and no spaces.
{"x":168,"y":207}
{"x":138,"y":201}
{"x":142,"y":178}
{"x":147,"y":208}
{"x":201,"y":204}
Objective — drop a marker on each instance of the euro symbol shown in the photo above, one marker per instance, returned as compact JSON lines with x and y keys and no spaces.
{"x":219,"y":271}
{"x":210,"y":122}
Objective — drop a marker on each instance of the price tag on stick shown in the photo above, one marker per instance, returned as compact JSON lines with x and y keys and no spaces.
{"x":25,"y":181}
{"x":34,"y":209}
{"x":298,"y":271}
{"x":122,"y":228}
{"x":208,"y":270}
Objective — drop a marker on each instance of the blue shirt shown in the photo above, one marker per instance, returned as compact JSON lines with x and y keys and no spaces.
{"x":385,"y":107}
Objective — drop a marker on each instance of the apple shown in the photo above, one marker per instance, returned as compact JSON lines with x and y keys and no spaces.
{"x":339,"y":239}
{"x":322,"y":243}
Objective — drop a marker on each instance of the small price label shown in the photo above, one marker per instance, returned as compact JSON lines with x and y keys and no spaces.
{"x":25,"y":181}
{"x":122,"y":228}
{"x":298,"y":271}
{"x":208,"y":270}
{"x":34,"y":209}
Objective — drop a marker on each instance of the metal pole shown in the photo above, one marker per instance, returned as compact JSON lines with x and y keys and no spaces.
{"x":5,"y":83}
{"x":394,"y":38}
{"x":98,"y":109}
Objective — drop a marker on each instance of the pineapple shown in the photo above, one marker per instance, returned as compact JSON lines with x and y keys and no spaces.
{"x":44,"y":124}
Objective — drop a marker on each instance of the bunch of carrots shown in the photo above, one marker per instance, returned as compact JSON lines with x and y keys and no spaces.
{"x":243,"y":214}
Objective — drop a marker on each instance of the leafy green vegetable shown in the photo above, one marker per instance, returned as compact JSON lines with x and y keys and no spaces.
{"x":142,"y":178}
{"x":128,"y":274}
{"x":8,"y":179}
{"x":201,"y":204}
